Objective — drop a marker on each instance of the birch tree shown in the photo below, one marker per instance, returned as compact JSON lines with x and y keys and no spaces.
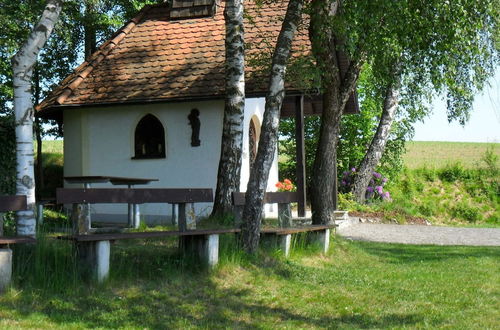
{"x":259,"y":173}
{"x":449,"y":47}
{"x":228,"y":176}
{"x":22,"y":66}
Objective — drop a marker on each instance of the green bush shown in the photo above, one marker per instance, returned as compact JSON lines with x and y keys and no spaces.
{"x":466,"y":212}
{"x":455,"y":172}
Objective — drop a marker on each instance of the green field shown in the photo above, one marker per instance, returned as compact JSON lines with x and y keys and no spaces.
{"x":439,"y":154}
{"x":356,"y":286}
{"x":52,"y":146}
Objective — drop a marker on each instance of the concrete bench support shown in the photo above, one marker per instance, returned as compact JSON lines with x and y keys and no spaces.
{"x":323,"y":239}
{"x":204,"y":247}
{"x":93,"y":259}
{"x":285,"y":242}
{"x":5,"y":268}
{"x":273,"y":241}
{"x":184,"y":215}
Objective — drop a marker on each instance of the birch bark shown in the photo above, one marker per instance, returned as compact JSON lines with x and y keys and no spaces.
{"x":379,"y":141}
{"x":259,"y":174}
{"x":228,"y":176}
{"x":22,"y":65}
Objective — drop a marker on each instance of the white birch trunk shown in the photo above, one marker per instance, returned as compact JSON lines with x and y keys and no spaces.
{"x":379,"y":141}
{"x":259,"y":174}
{"x":228,"y":177}
{"x":22,"y":66}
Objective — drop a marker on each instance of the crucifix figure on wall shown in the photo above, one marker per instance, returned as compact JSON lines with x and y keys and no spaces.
{"x":194,"y":121}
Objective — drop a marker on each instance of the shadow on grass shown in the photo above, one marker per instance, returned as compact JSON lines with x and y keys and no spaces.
{"x":152,"y":286}
{"x":402,"y":253}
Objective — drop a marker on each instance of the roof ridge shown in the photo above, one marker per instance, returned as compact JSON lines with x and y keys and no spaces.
{"x":84,"y":69}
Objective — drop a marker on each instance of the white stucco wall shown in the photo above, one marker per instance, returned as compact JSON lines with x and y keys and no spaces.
{"x":100,"y":141}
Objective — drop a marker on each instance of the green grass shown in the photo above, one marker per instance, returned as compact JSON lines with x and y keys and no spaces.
{"x":445,"y":183}
{"x":52,"y":146}
{"x":357,"y":285}
{"x":440,"y":154}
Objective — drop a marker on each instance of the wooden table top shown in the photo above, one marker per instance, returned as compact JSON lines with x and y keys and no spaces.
{"x":116,"y":180}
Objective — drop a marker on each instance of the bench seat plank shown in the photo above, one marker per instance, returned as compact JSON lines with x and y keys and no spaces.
{"x":286,"y":231}
{"x":16,"y":240}
{"x":149,"y":234}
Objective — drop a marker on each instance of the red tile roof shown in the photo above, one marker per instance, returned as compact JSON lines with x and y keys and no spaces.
{"x":155,"y":58}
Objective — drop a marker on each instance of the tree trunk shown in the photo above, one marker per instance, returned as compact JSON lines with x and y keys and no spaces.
{"x":22,"y":65}
{"x":89,"y":29}
{"x":336,"y":92}
{"x":259,"y":174}
{"x":228,"y":176}
{"x":379,"y":141}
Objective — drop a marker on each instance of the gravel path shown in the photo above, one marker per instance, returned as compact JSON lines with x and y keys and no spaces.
{"x":415,"y":234}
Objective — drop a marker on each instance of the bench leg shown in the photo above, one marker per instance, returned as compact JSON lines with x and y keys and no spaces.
{"x":137,"y":216}
{"x":204,"y":247}
{"x":284,"y":215}
{"x":282,"y":242}
{"x":323,"y":239}
{"x":5,"y":268}
{"x":285,"y":243}
{"x":93,"y":259}
{"x":80,"y":217}
{"x":187,"y":216}
{"x":39,"y":214}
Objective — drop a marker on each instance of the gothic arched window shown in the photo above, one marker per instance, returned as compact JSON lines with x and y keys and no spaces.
{"x":149,"y":138}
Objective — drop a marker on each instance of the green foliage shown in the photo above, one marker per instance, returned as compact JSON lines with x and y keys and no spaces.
{"x":7,"y":155}
{"x":65,"y":47}
{"x":467,"y":212}
{"x":490,"y":158}
{"x":356,"y":134}
{"x":452,"y":173}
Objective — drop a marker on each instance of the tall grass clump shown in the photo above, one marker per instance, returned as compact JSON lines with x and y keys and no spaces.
{"x":48,"y":265}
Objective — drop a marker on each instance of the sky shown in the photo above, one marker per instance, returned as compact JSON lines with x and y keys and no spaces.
{"x":483,"y":126}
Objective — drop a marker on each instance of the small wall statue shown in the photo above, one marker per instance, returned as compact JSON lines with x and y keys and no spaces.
{"x":194,"y":121}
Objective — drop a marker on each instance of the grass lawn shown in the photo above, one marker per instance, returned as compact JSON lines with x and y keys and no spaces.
{"x":357,"y":285}
{"x":439,"y":154}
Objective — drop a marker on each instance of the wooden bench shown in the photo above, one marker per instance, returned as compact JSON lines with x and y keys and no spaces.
{"x":9,"y":203}
{"x":94,"y":250}
{"x":283,"y":199}
{"x":282,"y":237}
{"x":182,"y":199}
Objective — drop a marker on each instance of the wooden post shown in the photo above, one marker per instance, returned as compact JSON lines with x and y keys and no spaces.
{"x":182,"y":217}
{"x":80,"y":218}
{"x":301,"y":154}
{"x":284,"y":215}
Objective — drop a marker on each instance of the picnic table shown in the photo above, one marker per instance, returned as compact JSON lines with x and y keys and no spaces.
{"x":133,"y":209}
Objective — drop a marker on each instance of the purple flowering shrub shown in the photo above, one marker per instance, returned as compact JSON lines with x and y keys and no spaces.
{"x":375,"y":189}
